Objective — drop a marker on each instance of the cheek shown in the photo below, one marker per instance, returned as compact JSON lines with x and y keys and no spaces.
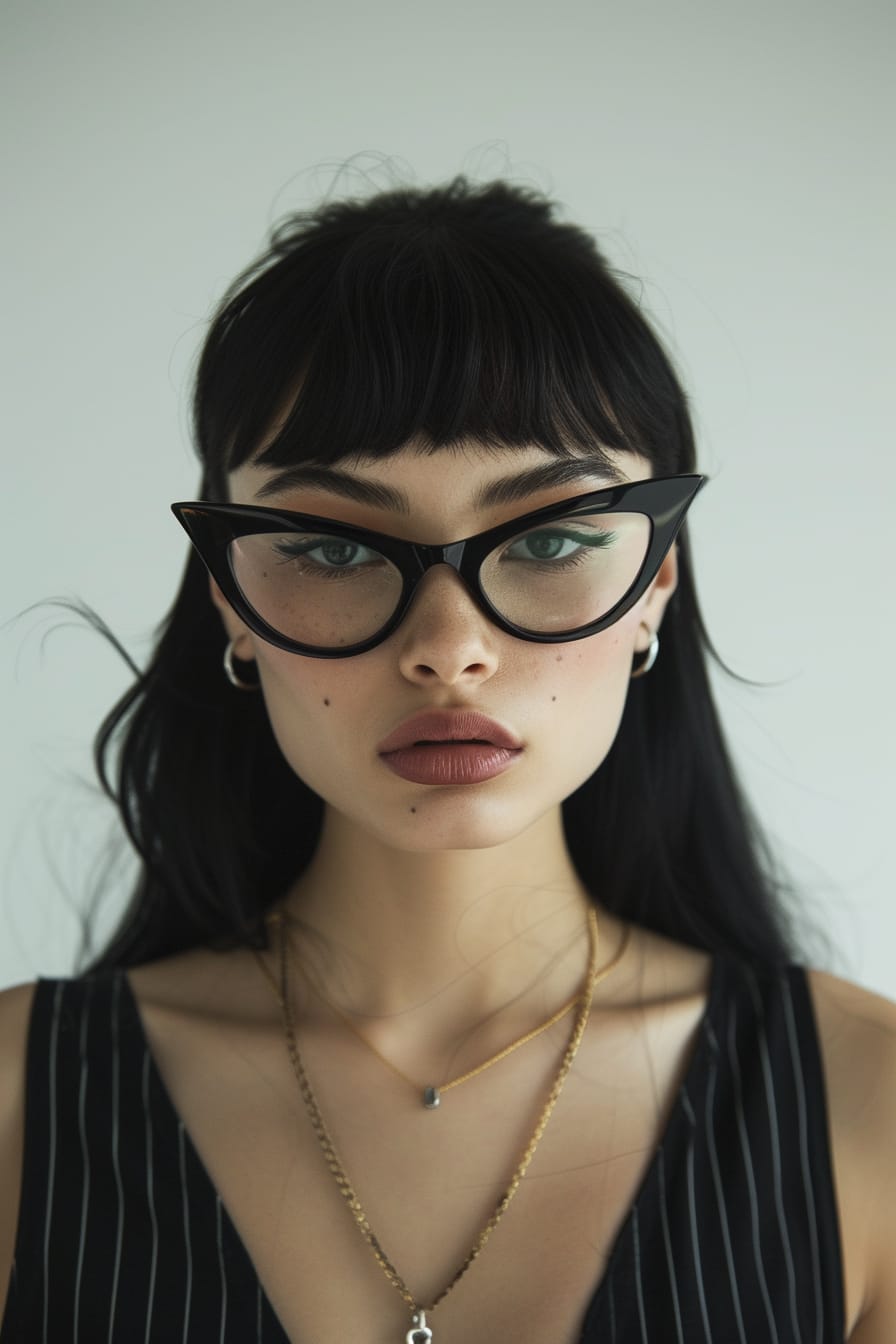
{"x":303,"y":698}
{"x":586,"y":684}
{"x":565,"y":699}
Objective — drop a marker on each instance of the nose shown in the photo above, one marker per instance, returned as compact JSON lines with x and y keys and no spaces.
{"x":444,"y":636}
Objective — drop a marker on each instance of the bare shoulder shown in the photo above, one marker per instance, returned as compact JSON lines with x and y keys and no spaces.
{"x":851,"y":1000}
{"x":857,"y":1034}
{"x":15,"y":1014}
{"x":857,"y":1038}
{"x":203,"y":985}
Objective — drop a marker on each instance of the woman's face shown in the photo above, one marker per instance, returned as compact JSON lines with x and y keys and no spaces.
{"x":560,"y":704}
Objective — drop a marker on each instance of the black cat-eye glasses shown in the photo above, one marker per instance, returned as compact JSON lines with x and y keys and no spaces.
{"x":320,"y":587}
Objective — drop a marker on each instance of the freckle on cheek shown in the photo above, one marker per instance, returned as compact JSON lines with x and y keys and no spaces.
{"x":553,"y":697}
{"x":413,"y":809}
{"x":559,"y":657}
{"x":326,"y":701}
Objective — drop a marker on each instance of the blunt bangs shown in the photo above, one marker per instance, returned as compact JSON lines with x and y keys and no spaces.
{"x":432,"y":317}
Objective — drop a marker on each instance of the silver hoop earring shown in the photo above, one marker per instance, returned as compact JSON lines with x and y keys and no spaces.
{"x":650,"y":657}
{"x":230,"y":671}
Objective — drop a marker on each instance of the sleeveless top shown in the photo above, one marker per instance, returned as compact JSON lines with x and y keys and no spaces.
{"x":733,"y":1236}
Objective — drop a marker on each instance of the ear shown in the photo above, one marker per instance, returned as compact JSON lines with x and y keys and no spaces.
{"x":237,"y":631}
{"x":658,"y":595}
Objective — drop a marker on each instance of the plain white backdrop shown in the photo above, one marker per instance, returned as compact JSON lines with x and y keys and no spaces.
{"x":736,"y":159}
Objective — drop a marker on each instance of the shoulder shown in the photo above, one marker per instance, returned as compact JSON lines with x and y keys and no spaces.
{"x":857,"y":1037}
{"x":857,"y":1040}
{"x":857,"y":1032}
{"x":204,"y":985}
{"x":15,"y":1014}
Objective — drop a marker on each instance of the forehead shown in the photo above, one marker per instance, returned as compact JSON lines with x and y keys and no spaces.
{"x":466,"y":479}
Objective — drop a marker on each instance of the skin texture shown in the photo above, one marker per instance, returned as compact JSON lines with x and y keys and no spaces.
{"x":485,"y":856}
{"x":447,"y":921}
{"x":564,"y":700}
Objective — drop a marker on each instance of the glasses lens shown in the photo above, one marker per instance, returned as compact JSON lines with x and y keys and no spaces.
{"x":568,"y":572}
{"x":325,"y":591}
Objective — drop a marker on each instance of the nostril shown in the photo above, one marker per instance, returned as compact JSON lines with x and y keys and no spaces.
{"x":447,"y":670}
{"x":444,"y":635}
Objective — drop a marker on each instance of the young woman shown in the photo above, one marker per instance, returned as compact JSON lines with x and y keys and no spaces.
{"x":455,"y":1000}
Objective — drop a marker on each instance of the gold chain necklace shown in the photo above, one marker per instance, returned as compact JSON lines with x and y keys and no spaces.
{"x":431,"y":1094}
{"x":420,"y":1332}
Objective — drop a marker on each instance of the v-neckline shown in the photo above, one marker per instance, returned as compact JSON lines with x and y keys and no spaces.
{"x":678,"y":1114}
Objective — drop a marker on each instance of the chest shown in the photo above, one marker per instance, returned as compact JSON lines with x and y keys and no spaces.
{"x":428,"y":1182}
{"x":682,"y":1189}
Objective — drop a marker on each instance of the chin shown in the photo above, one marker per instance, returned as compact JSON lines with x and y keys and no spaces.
{"x":441,"y":822}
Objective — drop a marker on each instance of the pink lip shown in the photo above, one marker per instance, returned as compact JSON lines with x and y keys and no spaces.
{"x":449,"y":747}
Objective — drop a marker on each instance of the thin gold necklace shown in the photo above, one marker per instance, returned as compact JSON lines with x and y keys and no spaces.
{"x":431,"y":1095}
{"x":420,"y":1332}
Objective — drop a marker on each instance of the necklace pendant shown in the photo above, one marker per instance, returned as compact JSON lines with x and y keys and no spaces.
{"x":419,"y":1332}
{"x":431,"y":1100}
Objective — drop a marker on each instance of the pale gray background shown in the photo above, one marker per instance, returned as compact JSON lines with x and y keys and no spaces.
{"x":736,"y":157}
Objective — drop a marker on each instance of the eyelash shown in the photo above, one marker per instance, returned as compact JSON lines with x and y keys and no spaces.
{"x":593,"y":541}
{"x":294,"y":553}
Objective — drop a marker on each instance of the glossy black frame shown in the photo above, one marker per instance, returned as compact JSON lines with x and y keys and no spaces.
{"x":212,"y":527}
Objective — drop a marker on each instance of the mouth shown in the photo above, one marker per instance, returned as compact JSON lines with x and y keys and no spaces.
{"x":454,"y":742}
{"x":449,"y":728}
{"x":450,"y":746}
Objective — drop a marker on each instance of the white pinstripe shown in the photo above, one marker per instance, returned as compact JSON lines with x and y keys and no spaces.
{"x":667,"y":1240}
{"x":221,"y":1266}
{"x":51,"y":1162}
{"x":85,"y":1155}
{"x":772,"y":1103}
{"x":692,"y":1211}
{"x":187,"y":1243}
{"x":116,"y":1167}
{"x":804,"y":1157}
{"x":640,"y":1290}
{"x":748,"y":1167}
{"x":150,"y":1192}
{"x":720,"y":1191}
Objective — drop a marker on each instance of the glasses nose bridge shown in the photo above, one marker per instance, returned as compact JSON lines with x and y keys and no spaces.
{"x":421,"y":559}
{"x":425,"y":557}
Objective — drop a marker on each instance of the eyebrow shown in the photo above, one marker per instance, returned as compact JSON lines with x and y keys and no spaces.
{"x":504,"y":490}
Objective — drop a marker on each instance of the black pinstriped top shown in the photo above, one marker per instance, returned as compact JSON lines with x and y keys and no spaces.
{"x":732,"y":1239}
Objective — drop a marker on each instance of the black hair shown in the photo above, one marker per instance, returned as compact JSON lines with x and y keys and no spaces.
{"x":428,"y":316}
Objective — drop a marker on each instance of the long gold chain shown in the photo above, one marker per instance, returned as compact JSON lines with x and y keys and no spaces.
{"x":419,"y":1330}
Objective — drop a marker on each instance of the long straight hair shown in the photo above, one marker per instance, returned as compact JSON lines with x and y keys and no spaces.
{"x":428,"y":317}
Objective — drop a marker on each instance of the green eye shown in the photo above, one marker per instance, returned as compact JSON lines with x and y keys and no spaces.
{"x":338,"y":553}
{"x":557,"y":546}
{"x":543,"y":546}
{"x":325,"y":553}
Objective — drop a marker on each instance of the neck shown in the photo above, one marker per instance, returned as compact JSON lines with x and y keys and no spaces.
{"x":454,"y":935}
